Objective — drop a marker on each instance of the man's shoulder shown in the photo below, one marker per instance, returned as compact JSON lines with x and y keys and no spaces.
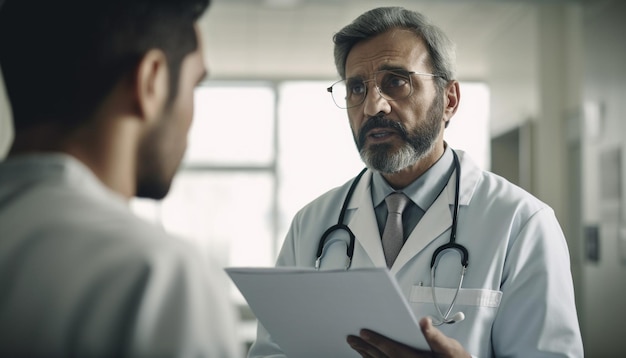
{"x":486,"y":185}
{"x":64,"y":219}
{"x":120,"y":231}
{"x":499,"y":193}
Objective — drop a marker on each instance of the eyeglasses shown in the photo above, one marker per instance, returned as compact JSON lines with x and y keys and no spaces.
{"x":392,"y":85}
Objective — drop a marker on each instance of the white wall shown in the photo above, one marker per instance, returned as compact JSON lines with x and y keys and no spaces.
{"x":512,"y":73}
{"x":537,"y":91}
{"x":603,"y":131}
{"x":573,"y":89}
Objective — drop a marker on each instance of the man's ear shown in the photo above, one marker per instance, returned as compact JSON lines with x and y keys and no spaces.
{"x":452,"y":96}
{"x":151,"y":84}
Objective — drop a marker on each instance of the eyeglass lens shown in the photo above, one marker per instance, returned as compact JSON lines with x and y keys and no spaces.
{"x":391,"y":85}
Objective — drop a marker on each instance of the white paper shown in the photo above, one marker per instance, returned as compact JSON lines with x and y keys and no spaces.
{"x":310,"y":313}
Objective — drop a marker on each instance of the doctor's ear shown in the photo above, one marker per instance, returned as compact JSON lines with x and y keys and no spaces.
{"x":452,"y":97}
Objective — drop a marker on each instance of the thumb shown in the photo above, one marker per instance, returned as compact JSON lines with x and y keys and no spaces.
{"x":440,"y":344}
{"x":436,"y":340}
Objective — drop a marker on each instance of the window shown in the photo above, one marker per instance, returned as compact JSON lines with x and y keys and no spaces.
{"x":469,"y":128}
{"x":317,"y":150}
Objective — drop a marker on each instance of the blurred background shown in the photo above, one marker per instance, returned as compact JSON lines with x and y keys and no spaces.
{"x":543,"y":95}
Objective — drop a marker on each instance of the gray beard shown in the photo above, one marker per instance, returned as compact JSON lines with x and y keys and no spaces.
{"x":418,"y":142}
{"x":384,"y":159}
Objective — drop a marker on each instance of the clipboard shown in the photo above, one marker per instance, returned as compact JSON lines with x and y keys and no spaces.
{"x":310,"y":313}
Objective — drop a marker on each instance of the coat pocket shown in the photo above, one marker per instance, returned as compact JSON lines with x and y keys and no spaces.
{"x":466,"y":297}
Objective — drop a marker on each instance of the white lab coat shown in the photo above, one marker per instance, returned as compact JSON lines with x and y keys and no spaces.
{"x":517,"y":295}
{"x":81,"y":276}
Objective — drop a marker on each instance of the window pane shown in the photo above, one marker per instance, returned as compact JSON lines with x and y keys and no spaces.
{"x":228,"y":214}
{"x":317,"y":151}
{"x":232,"y":126}
{"x":469,"y":128}
{"x":230,"y":211}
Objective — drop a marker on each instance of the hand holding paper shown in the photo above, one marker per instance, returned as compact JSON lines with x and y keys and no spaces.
{"x":310,"y":313}
{"x":372,"y":344}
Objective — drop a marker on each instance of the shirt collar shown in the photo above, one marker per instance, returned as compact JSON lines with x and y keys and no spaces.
{"x":55,"y":168}
{"x":425,"y":189}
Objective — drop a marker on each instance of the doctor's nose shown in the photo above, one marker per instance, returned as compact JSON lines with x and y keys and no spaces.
{"x":374,"y":103}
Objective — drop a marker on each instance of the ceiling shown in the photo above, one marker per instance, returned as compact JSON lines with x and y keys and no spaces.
{"x":279,"y":39}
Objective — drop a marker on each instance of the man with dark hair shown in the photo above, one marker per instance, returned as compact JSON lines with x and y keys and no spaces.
{"x":102,"y":100}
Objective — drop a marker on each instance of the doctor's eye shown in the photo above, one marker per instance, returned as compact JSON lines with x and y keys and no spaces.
{"x":394,"y":79}
{"x":355,"y":88}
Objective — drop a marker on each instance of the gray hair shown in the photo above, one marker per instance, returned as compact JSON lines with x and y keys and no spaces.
{"x":379,"y":20}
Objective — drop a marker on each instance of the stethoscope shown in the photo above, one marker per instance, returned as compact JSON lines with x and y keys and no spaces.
{"x":443,"y":317}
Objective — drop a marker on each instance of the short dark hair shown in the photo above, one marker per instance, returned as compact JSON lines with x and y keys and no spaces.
{"x":60,"y":58}
{"x":377,"y":21}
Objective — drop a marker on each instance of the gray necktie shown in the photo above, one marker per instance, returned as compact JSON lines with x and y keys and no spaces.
{"x":393,"y":237}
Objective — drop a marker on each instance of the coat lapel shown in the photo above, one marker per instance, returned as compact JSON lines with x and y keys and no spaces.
{"x":438,"y":218}
{"x":363,"y":221}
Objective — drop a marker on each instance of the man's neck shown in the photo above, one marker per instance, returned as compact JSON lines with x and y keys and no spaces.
{"x":108,"y":152}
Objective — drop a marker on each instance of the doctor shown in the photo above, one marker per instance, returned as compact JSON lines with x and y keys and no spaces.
{"x":503,"y":285}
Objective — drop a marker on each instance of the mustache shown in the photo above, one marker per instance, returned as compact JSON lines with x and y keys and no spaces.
{"x":380,"y":122}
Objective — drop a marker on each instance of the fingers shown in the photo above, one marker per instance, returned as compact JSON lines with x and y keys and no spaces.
{"x":373,"y":345}
{"x":362,"y":347}
{"x":370,"y":344}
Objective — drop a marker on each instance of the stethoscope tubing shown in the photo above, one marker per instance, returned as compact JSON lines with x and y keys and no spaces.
{"x":340,"y":226}
{"x":444,"y":318}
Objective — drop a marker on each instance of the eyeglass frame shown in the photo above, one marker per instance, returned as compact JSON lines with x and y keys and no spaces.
{"x":378,"y":89}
